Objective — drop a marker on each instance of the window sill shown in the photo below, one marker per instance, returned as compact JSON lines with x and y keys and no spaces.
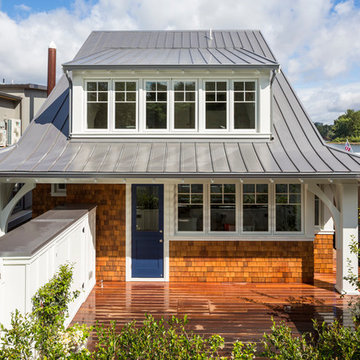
{"x":242,"y":237}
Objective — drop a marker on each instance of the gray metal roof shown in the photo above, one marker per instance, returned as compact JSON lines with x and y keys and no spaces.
{"x":171,"y":48}
{"x":297,"y":149}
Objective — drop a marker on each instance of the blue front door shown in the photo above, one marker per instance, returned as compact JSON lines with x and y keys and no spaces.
{"x":147,"y":231}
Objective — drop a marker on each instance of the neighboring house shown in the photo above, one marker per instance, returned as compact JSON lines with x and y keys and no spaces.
{"x":18,"y":105}
{"x":201,"y":160}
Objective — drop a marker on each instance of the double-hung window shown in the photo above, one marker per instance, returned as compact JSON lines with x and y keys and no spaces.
{"x":222,"y":207}
{"x":244,"y":104}
{"x":125,"y":104}
{"x":156,"y":104}
{"x":255,"y":207}
{"x":288,"y":207}
{"x":190,"y":207}
{"x":216,"y":100}
{"x":97,"y":97}
{"x":185,"y":105}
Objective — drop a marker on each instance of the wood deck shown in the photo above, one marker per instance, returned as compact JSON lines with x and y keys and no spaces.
{"x":235,"y":311}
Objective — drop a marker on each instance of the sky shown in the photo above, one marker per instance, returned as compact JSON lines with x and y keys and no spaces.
{"x":317,"y":42}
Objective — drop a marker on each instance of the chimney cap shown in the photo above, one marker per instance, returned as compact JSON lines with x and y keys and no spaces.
{"x":52,"y":45}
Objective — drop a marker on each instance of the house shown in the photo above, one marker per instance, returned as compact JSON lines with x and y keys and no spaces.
{"x":202,"y":162}
{"x":18,"y":105}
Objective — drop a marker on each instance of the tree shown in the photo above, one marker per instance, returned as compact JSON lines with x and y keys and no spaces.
{"x":347,"y":125}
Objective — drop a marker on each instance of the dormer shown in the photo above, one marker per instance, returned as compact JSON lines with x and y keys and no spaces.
{"x":173,"y":84}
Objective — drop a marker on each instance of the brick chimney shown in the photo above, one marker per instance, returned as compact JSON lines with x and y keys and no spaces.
{"x":51,"y":79}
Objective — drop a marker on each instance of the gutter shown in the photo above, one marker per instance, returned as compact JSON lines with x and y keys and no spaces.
{"x":66,"y":72}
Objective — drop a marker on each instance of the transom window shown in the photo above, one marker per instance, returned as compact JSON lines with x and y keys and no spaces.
{"x":97,"y":104}
{"x":156,"y":104}
{"x":125,"y":104}
{"x":216,"y":104}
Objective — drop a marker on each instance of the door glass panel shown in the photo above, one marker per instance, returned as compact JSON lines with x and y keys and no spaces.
{"x":147,"y":208}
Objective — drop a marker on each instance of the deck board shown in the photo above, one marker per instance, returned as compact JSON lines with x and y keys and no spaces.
{"x":235,"y":311}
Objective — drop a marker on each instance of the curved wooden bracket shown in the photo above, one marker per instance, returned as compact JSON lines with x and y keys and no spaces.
{"x":7,"y":210}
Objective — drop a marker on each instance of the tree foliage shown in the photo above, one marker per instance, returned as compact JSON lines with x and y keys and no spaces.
{"x":346,"y":126}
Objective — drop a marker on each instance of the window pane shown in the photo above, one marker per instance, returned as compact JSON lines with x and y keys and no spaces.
{"x":221,"y":96}
{"x":130,"y":96}
{"x":229,"y":199}
{"x":150,"y":86}
{"x":179,"y":86}
{"x":210,"y":86}
{"x":190,"y":86}
{"x":196,"y":199}
{"x":281,"y":199}
{"x":229,"y":188}
{"x":281,"y":188}
{"x":244,"y":116}
{"x":151,"y":96}
{"x":184,"y":199}
{"x":183,"y":188}
{"x":197,"y":188}
{"x":162,"y":86}
{"x":216,"y":199}
{"x":261,"y":199}
{"x":239,"y":96}
{"x":190,"y":218}
{"x":162,"y":96}
{"x":190,"y":96}
{"x":250,"y":96}
{"x":210,"y":96}
{"x":120,"y":96}
{"x":91,"y":96}
{"x":91,"y":86}
{"x":147,"y":208}
{"x":102,"y":96}
{"x":223,"y":217}
{"x":179,"y":96}
{"x":216,"y":116}
{"x":249,"y":199}
{"x":156,"y":115}
{"x":215,"y":188}
{"x":120,"y":86}
{"x":238,"y":86}
{"x":288,"y":218}
{"x":249,"y":188}
{"x":102,"y":86}
{"x":262,"y":188}
{"x":317,"y":211}
{"x":97,"y":115}
{"x":130,"y":86}
{"x":250,"y":85}
{"x":221,"y":85}
{"x":294,"y":188}
{"x":184,"y":115}
{"x":295,"y":199}
{"x":255,"y":218}
{"x":125,"y":116}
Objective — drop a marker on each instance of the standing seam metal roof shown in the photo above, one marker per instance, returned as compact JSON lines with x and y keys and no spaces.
{"x":297,"y":149}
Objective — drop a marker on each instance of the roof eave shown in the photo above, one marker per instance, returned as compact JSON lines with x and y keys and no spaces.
{"x":168,"y":67}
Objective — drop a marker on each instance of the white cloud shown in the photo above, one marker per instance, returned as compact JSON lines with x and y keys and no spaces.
{"x":316,"y":42}
{"x":22,"y":7}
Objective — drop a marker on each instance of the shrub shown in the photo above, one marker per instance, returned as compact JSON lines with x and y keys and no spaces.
{"x":42,"y":332}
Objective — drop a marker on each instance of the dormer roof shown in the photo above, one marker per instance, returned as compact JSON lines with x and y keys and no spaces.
{"x":114,"y":49}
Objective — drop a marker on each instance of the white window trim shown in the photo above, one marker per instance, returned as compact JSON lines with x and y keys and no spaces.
{"x":200,"y":105}
{"x":172,"y":107}
{"x":113,"y":104}
{"x":209,"y":235}
{"x":56,"y":191}
{"x":143,"y":103}
{"x":109,"y":102}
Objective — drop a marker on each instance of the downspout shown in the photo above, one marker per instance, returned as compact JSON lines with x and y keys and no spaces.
{"x":66,"y":72}
{"x":274,"y":72}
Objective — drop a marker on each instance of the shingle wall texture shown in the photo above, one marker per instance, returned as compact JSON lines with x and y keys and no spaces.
{"x":242,"y":261}
{"x":110,"y":221}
